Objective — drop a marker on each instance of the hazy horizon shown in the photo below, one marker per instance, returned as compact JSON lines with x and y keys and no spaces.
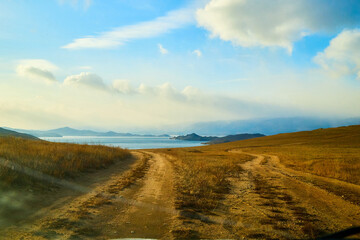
{"x":149,"y":64}
{"x":267,"y":126}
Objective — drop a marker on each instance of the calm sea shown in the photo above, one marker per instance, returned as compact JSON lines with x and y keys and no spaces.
{"x":127,"y":142}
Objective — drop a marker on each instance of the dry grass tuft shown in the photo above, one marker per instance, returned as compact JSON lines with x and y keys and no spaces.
{"x":201,"y":176}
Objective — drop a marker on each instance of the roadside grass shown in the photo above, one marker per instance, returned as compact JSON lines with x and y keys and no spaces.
{"x":59,"y":160}
{"x":79,"y":221}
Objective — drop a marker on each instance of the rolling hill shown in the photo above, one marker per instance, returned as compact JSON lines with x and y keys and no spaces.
{"x":7,"y":133}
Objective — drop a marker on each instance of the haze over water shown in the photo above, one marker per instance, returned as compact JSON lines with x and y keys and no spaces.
{"x":126,"y":142}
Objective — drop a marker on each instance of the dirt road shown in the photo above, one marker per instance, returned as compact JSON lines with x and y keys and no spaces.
{"x":267,"y":200}
{"x":137,"y":203}
{"x":271,"y":201}
{"x":150,"y":209}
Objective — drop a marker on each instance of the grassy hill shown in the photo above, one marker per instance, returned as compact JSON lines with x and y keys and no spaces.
{"x":8,"y":133}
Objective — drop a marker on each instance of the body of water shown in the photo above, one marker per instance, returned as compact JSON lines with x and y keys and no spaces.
{"x":126,"y":142}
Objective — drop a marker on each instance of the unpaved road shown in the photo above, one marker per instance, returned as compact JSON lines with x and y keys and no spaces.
{"x":143,"y":208}
{"x":149,"y":212}
{"x":271,"y":201}
{"x":267,"y":200}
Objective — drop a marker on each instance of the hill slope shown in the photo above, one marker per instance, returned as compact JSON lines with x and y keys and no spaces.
{"x":7,"y":133}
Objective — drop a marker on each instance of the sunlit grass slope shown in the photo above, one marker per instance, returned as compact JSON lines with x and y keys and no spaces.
{"x":59,"y":160}
{"x":332,"y":152}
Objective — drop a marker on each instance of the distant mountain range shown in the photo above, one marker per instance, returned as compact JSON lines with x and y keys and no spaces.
{"x":8,"y":133}
{"x":268,"y":126}
{"x":66,"y":131}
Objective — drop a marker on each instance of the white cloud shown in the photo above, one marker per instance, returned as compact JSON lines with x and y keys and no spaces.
{"x":146,"y":90}
{"x":275,"y":23}
{"x":162,"y":49}
{"x":38,"y":69}
{"x":86,"y":79}
{"x":166,"y":90}
{"x":172,"y":20}
{"x":197,"y":52}
{"x":342,"y":56}
{"x":122,"y":86}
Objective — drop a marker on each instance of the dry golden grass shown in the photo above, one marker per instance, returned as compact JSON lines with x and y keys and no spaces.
{"x":202,"y":175}
{"x":59,"y":160}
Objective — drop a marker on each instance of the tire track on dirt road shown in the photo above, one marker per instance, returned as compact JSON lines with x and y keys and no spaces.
{"x":271,"y":201}
{"x":153,"y":216}
{"x":137,"y":203}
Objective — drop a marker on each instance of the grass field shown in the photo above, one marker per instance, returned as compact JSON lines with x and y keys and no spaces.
{"x":60,"y":160}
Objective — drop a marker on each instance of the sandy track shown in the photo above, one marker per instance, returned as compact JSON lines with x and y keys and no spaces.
{"x":142,"y":209}
{"x":150,"y":216}
{"x":271,"y":201}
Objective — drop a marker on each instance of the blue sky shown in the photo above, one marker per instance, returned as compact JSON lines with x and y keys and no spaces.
{"x":125,"y":64}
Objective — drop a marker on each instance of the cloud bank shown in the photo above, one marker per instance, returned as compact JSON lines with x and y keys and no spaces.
{"x":276,"y":23}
